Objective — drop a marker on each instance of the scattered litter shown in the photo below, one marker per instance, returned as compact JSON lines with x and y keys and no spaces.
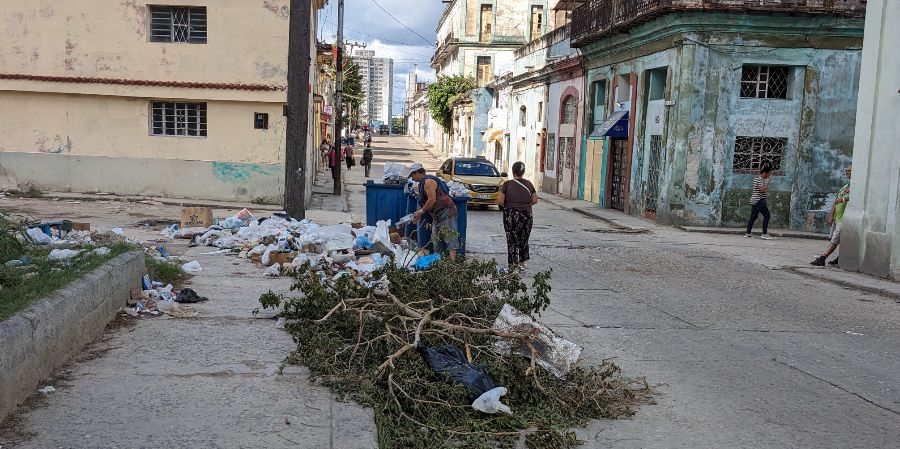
{"x":163,"y":251}
{"x":273,"y":271}
{"x":556,"y":354}
{"x":424,"y":262}
{"x":63,"y":254}
{"x":47,"y":390}
{"x":281,"y":323}
{"x":118,"y":231}
{"x":102,"y":251}
{"x":853,"y":333}
{"x":489,"y":402}
{"x":192,"y":267}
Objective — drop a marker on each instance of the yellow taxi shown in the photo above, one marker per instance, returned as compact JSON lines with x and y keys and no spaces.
{"x":479,"y":175}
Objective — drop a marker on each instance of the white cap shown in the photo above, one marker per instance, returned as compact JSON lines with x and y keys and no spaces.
{"x":414,"y":168}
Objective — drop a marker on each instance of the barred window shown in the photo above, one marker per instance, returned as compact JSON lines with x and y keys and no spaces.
{"x":752,"y":153}
{"x":763,"y":81}
{"x":551,"y":151}
{"x":569,"y":110}
{"x":178,"y":119}
{"x":178,"y":24}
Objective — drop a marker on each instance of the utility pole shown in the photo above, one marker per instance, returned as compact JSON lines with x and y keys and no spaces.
{"x":295,"y":170}
{"x":339,"y":107}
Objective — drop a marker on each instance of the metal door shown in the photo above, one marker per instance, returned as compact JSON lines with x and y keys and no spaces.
{"x":653,"y":164}
{"x":618,"y":163}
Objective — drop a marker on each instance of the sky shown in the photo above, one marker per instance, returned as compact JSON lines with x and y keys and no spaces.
{"x":365,"y":22}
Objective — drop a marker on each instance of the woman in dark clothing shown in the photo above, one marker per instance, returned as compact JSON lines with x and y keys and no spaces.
{"x":348,"y":156}
{"x":516,"y":198}
{"x":367,"y":160}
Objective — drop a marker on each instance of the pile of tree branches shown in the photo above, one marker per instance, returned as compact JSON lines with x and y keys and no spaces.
{"x":359,"y":337}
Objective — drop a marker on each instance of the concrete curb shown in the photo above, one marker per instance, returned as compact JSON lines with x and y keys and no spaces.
{"x":741,"y":231}
{"x":882,"y":287}
{"x":181,"y":202}
{"x":40,"y":339}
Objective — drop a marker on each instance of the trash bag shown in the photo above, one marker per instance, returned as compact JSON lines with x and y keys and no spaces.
{"x":39,"y":237}
{"x":424,"y":262}
{"x":188,"y":296}
{"x":489,"y":402}
{"x":450,"y":363}
{"x":192,"y":267}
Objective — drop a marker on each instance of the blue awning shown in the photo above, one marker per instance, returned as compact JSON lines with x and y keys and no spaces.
{"x":616,"y":125}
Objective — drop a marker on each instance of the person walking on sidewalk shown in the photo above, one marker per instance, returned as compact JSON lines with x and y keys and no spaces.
{"x":323,"y":149}
{"x":367,"y":160}
{"x":348,"y":156}
{"x":836,"y":220}
{"x":436,"y":208}
{"x":758,"y":203}
{"x":517,"y":197}
{"x":334,"y":161}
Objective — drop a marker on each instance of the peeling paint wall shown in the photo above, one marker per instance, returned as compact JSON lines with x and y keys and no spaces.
{"x":697,"y":182}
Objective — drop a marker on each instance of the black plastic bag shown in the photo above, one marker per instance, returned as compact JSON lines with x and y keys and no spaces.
{"x":188,"y":296}
{"x":451,"y":364}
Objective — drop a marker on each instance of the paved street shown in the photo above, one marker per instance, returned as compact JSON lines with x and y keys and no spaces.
{"x":742,"y":352}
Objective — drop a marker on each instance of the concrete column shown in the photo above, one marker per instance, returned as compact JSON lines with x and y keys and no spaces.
{"x":870,"y":241}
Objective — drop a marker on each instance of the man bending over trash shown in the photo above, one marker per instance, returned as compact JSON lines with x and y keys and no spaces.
{"x":436,"y":208}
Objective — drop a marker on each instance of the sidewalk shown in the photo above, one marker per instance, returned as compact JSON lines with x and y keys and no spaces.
{"x":787,"y":253}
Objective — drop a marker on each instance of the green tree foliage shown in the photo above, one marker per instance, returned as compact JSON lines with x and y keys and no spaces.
{"x":442,"y":92}
{"x":353,"y":93}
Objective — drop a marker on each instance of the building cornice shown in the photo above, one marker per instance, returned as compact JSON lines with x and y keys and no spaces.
{"x":136,"y":82}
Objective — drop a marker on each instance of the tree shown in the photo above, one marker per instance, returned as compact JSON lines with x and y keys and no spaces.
{"x":353,"y":93}
{"x":442,"y":92}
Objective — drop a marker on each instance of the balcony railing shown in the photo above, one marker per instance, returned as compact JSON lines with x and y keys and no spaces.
{"x":598,"y":18}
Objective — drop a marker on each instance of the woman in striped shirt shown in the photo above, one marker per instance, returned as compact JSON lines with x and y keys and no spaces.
{"x":758,"y":203}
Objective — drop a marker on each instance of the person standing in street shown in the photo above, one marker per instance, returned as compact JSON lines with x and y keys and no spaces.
{"x":758,"y":203}
{"x":334,"y":161}
{"x":436,"y":208}
{"x":324,"y":148}
{"x":517,"y":196}
{"x":367,"y":160}
{"x":836,"y":220}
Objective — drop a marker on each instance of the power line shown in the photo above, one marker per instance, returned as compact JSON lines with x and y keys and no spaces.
{"x":430,"y":44}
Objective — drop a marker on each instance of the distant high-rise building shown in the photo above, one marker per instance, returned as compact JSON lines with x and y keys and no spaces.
{"x":377,"y":86}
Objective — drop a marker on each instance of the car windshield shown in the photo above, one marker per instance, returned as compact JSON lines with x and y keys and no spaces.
{"x":475,"y":168}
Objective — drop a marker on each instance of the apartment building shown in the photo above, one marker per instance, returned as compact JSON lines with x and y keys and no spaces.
{"x":377,"y":85}
{"x":160,"y":97}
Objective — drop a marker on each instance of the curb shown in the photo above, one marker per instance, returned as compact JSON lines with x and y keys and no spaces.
{"x":165,"y":201}
{"x":41,"y":338}
{"x":740,"y":231}
{"x":874,"y":290}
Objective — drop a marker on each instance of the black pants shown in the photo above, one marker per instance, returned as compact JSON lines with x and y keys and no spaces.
{"x":368,"y":168}
{"x":755,"y":210}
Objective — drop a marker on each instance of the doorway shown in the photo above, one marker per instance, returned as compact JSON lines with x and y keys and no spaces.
{"x":618,"y":163}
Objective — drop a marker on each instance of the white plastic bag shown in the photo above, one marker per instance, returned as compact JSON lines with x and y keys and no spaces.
{"x":63,"y":254}
{"x":192,"y":267}
{"x":39,"y":236}
{"x":102,"y":251}
{"x":266,"y":258}
{"x":489,"y":402}
{"x":395,"y":170}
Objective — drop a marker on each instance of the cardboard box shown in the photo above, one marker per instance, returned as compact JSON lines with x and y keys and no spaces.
{"x":196,"y":217}
{"x":282,"y":258}
{"x":357,"y":225}
{"x":81,"y":226}
{"x":395,"y":238}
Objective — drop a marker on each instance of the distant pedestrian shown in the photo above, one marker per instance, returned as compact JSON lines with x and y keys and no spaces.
{"x":348,"y":156}
{"x":367,"y":160}
{"x":517,"y":196}
{"x":758,"y":205}
{"x":323,"y":149}
{"x":836,"y":220}
{"x":367,"y":139}
{"x":334,"y":162}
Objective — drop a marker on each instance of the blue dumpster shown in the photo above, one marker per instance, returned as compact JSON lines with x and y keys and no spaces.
{"x":461,"y":222}
{"x":384,"y":202}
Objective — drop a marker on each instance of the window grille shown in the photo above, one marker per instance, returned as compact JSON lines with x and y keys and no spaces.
{"x":178,"y":24}
{"x":551,"y":151}
{"x":763,"y":81}
{"x":178,"y":119}
{"x":752,"y":153}
{"x":569,"y":110}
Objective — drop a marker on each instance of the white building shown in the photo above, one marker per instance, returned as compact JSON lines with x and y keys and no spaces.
{"x":377,"y":85}
{"x":870,"y":241}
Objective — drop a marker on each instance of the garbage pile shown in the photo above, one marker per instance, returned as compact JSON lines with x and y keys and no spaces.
{"x":280,"y":243}
{"x":154,"y":299}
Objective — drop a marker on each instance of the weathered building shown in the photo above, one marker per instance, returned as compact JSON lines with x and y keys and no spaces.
{"x":478,"y":38}
{"x":870,"y":241}
{"x":687,"y":99}
{"x":153,"y":98}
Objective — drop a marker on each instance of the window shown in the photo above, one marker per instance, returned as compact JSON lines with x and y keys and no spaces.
{"x":475,"y":168}
{"x":523,"y":116}
{"x":657,"y":84}
{"x":484,"y":70}
{"x":551,"y":151}
{"x":178,"y":119}
{"x":598,"y":105}
{"x":752,"y":153}
{"x":567,"y":152}
{"x":487,"y":18}
{"x":537,"y":21}
{"x":763,"y":81}
{"x":178,"y":24}
{"x":540,"y":114}
{"x":569,"y":110}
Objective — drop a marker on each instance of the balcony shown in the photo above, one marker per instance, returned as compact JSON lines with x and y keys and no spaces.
{"x":444,"y":50}
{"x":598,"y":18}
